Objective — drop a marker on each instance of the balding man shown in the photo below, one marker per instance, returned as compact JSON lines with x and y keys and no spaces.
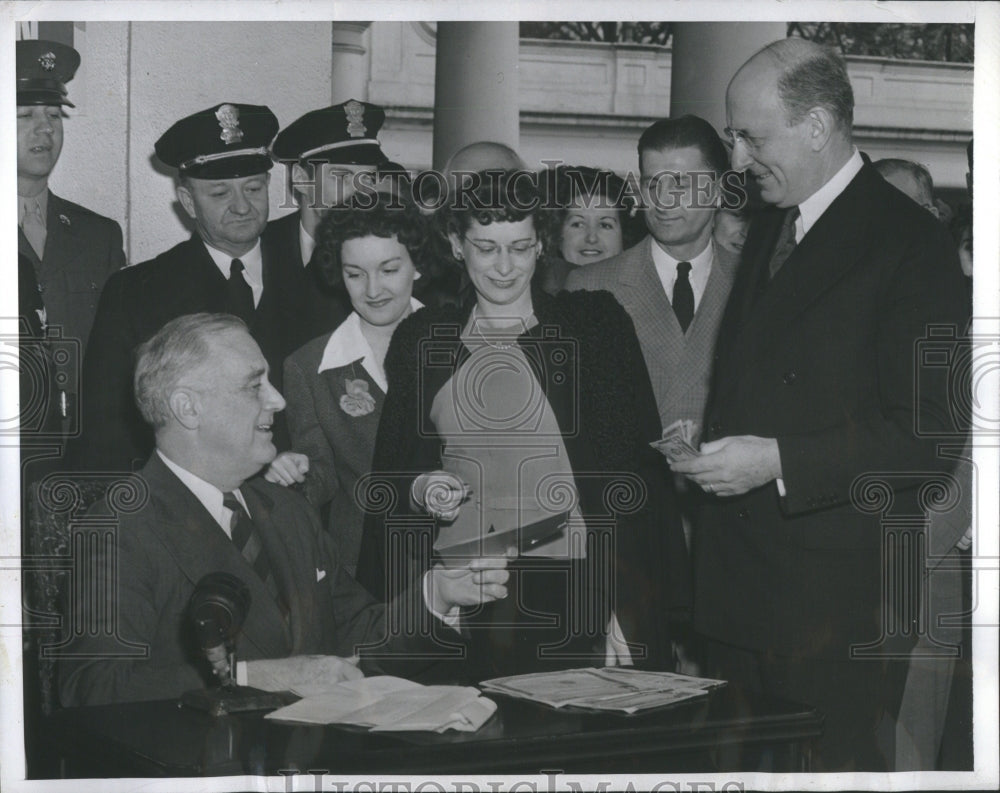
{"x":813,"y":387}
{"x":202,"y":383}
{"x":484,"y":155}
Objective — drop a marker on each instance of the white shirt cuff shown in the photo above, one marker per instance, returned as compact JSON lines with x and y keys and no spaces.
{"x":781,"y":486}
{"x":451,"y":619}
{"x":241,"y":673}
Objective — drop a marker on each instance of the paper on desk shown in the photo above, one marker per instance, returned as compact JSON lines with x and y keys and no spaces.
{"x":616,"y":688}
{"x":390,"y":703}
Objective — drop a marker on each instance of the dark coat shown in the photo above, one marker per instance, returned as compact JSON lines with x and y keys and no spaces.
{"x":822,"y":358}
{"x":166,"y":542}
{"x":136,"y":303}
{"x":591,"y":369}
{"x":317,"y":307}
{"x":82,"y":249}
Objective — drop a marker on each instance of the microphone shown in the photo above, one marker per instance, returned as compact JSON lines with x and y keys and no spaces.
{"x":218,"y":608}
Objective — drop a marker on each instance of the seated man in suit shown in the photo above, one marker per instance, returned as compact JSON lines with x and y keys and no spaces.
{"x":202,"y":382}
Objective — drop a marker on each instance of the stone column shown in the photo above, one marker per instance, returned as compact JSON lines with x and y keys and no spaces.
{"x":350,"y":62}
{"x":706,"y":55}
{"x":475,"y":86}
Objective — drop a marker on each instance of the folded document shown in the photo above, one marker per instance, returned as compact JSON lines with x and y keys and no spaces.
{"x":615,"y":688}
{"x":390,"y":703}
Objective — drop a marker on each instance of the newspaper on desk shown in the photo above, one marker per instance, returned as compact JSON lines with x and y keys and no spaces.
{"x":386,"y":703}
{"x":616,"y":688}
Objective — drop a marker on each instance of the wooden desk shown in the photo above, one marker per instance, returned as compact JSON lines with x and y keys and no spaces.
{"x":725,"y":732}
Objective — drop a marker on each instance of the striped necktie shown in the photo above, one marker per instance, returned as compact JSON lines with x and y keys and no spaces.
{"x":247,"y":540}
{"x":786,"y":242}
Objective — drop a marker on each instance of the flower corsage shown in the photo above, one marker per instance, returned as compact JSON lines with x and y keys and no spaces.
{"x":357,"y":401}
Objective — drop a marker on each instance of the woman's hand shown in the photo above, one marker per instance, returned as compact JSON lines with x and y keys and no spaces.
{"x":288,"y":468}
{"x":440,"y":494}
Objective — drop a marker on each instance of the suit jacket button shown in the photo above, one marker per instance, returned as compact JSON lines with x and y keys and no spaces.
{"x":789,"y":378}
{"x":743,"y":514}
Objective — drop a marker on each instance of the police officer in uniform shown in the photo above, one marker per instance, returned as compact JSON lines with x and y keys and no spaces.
{"x":222,"y":162}
{"x":72,"y":250}
{"x":330,"y":154}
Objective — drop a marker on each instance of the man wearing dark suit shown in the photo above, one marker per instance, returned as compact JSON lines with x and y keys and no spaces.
{"x":202,"y":382}
{"x":330,"y":153}
{"x":222,"y":164}
{"x":674,"y":283}
{"x":813,"y":388}
{"x":71,"y":249}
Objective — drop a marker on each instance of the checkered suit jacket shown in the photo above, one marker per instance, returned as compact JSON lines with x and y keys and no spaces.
{"x":679,"y":363}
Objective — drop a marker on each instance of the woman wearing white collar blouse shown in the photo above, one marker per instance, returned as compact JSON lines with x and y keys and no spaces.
{"x":335,"y":385}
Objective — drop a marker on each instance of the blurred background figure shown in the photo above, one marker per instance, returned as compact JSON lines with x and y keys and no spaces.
{"x":335,"y":385}
{"x":483,"y":155}
{"x":494,"y":411}
{"x":731,"y":226}
{"x":910,"y":178}
{"x":592,"y":219}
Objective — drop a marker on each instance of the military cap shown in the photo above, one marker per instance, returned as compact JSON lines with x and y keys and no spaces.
{"x":222,"y":142}
{"x":344,"y":133}
{"x":43,"y":69}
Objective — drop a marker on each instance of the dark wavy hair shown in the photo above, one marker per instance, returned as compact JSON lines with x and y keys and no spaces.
{"x":365,"y":215}
{"x":564,"y":184}
{"x":494,"y":196}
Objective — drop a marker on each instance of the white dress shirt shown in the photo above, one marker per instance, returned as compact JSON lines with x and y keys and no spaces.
{"x":307,"y":244}
{"x":208,"y":494}
{"x":666,"y":269}
{"x":813,"y":207}
{"x":253,"y":267}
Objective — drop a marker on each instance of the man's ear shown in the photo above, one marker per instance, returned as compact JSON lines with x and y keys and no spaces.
{"x":821,"y":125}
{"x":185,"y":407}
{"x":186,"y":199}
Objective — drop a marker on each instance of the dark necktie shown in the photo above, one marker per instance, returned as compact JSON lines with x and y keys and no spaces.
{"x":683,"y":299}
{"x":239,"y":295}
{"x":786,"y":242}
{"x":246,"y":538}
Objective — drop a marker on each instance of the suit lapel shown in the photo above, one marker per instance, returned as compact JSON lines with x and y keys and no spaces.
{"x":61,"y":237}
{"x":827,"y":253}
{"x":654,"y":319}
{"x":199,"y":546}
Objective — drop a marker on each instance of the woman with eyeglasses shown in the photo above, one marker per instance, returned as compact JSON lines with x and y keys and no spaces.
{"x":532,"y":413}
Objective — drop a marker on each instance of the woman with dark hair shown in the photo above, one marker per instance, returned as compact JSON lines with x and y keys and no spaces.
{"x":335,"y":385}
{"x":523,"y":411}
{"x":592,"y":218}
